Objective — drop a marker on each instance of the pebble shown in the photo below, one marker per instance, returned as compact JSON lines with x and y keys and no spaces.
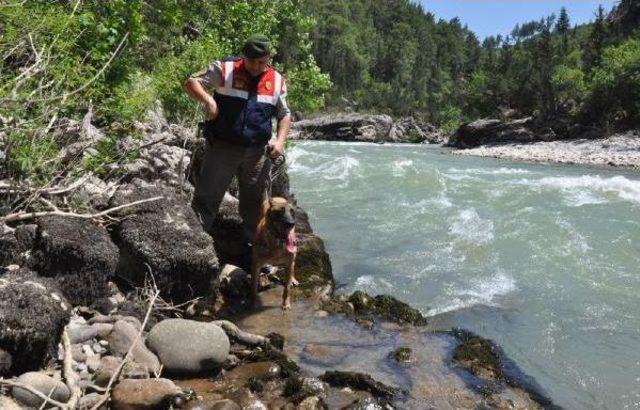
{"x":132,"y":394}
{"x":88,"y":350}
{"x":81,"y":333}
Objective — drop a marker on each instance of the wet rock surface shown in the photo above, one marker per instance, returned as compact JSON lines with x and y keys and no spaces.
{"x":144,"y":394}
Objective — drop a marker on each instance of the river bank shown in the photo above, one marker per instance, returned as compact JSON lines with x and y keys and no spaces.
{"x":100,"y":308}
{"x":618,"y":150}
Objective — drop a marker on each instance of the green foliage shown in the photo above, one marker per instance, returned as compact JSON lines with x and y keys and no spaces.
{"x":615,"y":85}
{"x":307,"y":86}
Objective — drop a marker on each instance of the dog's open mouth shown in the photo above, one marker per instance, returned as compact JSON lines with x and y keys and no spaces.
{"x":290,"y":242}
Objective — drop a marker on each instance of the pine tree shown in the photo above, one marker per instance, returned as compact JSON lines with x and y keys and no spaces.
{"x":593,"y":50}
{"x":562,"y":27}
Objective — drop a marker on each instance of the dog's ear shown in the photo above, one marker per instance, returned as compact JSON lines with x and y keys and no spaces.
{"x":266,"y":204}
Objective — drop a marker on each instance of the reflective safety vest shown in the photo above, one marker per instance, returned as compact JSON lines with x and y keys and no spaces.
{"x":246,"y":104}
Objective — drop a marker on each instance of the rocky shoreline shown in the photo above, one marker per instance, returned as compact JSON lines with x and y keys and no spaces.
{"x":519,"y":139}
{"x":143,"y":309}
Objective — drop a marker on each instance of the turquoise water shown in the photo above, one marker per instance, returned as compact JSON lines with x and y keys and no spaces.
{"x":543,"y":259}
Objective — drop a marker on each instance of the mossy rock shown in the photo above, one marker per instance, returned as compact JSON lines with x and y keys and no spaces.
{"x":402,"y":354}
{"x":478,"y":355}
{"x":313,"y":265}
{"x":361,"y":306}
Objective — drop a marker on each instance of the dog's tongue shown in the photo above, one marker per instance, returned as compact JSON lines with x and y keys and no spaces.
{"x":291,"y":241}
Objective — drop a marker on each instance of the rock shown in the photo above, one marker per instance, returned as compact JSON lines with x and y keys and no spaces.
{"x":477,"y":355}
{"x":298,"y":388}
{"x":77,"y":353}
{"x":133,"y":370}
{"x":7,"y":403}
{"x":76,"y":252}
{"x":123,"y":336}
{"x":208,"y":345}
{"x":323,"y":355}
{"x":81,"y":333}
{"x":15,"y":246}
{"x":165,"y":237}
{"x":147,"y":394}
{"x":228,"y":234}
{"x":486,"y":130}
{"x":258,"y":370}
{"x":313,"y":265}
{"x":5,"y":362}
{"x":410,"y":129}
{"x":102,"y":329}
{"x":93,"y":363}
{"x":343,"y":127}
{"x":234,"y":282}
{"x":32,"y":317}
{"x":88,"y":401}
{"x":44,"y":384}
{"x":359,"y":381}
{"x":246,"y":399}
{"x":160,"y":161}
{"x":225,"y":405}
{"x":94,"y":192}
{"x":311,"y":403}
{"x":106,"y":369}
{"x":401,"y":354}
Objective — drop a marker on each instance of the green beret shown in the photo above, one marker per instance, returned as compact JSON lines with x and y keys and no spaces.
{"x":256,"y":46}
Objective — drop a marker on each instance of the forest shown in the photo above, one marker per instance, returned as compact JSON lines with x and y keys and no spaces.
{"x":117,"y":59}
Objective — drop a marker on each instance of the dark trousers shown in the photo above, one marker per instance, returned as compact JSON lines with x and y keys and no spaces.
{"x":223,"y":160}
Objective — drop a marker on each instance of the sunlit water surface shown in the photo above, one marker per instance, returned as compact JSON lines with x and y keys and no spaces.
{"x":543,"y":259}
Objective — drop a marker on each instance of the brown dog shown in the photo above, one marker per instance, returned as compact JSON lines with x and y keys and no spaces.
{"x":275,"y":243}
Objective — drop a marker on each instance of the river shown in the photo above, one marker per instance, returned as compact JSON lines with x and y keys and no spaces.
{"x":543,"y":259}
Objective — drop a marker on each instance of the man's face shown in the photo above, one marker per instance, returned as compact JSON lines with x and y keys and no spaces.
{"x":256,"y":66}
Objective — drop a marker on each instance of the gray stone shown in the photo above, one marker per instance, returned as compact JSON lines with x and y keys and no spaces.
{"x":5,"y":362}
{"x":103,"y":329}
{"x":93,"y":363}
{"x":87,"y":402}
{"x":79,"y":333}
{"x":189,"y":346}
{"x":344,"y":127}
{"x":123,"y":336}
{"x":147,"y":394}
{"x":44,"y":384}
{"x":106,"y":370}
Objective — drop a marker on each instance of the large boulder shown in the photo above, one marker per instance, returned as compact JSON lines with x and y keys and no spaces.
{"x":344,"y":127}
{"x":410,"y":129}
{"x":487,"y":130}
{"x":207,"y":347}
{"x":32,"y":316}
{"x":164,"y":238}
{"x":228,"y":234}
{"x":76,"y":252}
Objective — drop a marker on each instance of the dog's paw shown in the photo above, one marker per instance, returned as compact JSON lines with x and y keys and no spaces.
{"x":286,"y":304}
{"x":294,"y":282}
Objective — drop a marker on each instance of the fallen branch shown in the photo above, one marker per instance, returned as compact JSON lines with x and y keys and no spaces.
{"x":246,"y":338}
{"x":71,"y":377}
{"x":21,"y":216}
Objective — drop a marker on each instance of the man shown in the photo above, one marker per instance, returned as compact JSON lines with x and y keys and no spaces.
{"x":248,"y":93}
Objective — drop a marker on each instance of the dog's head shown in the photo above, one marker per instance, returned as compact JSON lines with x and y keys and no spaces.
{"x":280,"y":217}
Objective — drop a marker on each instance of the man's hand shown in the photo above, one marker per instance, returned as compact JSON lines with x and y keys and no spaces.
{"x":276,"y":148}
{"x":210,"y":109}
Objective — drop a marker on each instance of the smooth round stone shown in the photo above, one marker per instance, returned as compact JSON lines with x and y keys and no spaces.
{"x":44,"y":384}
{"x":187,"y":346}
{"x":258,"y":370}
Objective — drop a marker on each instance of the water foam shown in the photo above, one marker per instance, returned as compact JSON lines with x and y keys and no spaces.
{"x":483,"y":171}
{"x":468,"y":226}
{"x":481,"y":292}
{"x":600,"y":190}
{"x":400,"y":167}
